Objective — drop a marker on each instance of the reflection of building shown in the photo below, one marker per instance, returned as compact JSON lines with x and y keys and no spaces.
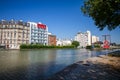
{"x":83,"y":38}
{"x":51,"y":40}
{"x":38,"y":33}
{"x":95,"y":39}
{"x":14,"y":33}
{"x":63,"y":42}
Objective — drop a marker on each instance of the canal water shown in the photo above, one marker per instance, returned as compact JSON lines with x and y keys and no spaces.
{"x":39,"y":64}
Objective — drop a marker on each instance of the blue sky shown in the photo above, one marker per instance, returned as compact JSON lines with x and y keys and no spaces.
{"x":63,"y":17}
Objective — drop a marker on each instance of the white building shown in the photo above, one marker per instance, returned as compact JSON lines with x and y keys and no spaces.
{"x":38,"y":33}
{"x":84,"y":39}
{"x":95,"y":39}
{"x":64,"y":42}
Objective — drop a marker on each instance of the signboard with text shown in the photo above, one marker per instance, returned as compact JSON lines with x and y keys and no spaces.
{"x":42,"y":26}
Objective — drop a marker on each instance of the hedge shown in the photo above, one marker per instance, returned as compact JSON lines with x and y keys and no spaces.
{"x":38,"y":46}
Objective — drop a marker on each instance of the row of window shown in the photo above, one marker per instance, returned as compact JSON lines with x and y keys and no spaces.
{"x":34,"y":41}
{"x":37,"y":35}
{"x":6,"y":35}
{"x":12,"y":41}
{"x":14,"y":26}
{"x":39,"y":31}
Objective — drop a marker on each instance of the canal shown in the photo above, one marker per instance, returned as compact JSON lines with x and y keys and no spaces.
{"x":39,"y":64}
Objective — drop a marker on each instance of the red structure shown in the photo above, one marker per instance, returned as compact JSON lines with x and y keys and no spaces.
{"x":106,"y":41}
{"x":106,"y":44}
{"x":42,"y":26}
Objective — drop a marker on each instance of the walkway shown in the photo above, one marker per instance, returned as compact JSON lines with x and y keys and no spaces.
{"x":97,"y":68}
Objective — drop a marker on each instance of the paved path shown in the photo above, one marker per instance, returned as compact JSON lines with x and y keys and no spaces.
{"x":98,"y":68}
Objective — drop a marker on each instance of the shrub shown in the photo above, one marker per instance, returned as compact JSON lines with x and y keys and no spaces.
{"x":88,"y":47}
{"x":38,"y":46}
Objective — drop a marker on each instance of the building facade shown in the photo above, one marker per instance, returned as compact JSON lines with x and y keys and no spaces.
{"x":51,"y":40}
{"x":64,"y":42}
{"x":84,"y":39}
{"x":13,"y":33}
{"x":38,"y":33}
{"x":95,"y":39}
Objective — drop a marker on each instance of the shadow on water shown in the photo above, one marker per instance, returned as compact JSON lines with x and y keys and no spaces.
{"x":31,"y":72}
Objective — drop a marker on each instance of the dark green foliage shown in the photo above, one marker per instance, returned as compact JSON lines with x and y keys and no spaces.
{"x":38,"y":46}
{"x":88,"y":47}
{"x":75,"y":43}
{"x":105,"y":13}
{"x":96,"y":46}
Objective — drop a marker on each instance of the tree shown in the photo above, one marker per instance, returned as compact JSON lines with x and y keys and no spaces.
{"x":75,"y":43}
{"x":105,"y":13}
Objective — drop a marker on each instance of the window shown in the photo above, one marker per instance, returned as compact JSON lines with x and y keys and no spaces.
{"x":3,"y":26}
{"x":14,"y":41}
{"x":4,"y":42}
{"x":11,"y":35}
{"x":11,"y":41}
{"x":14,"y":45}
{"x":15,"y":34}
{"x":23,"y":34}
{"x":26,"y":35}
{"x":8,"y":34}
{"x":4,"y":34}
{"x":13,"y":26}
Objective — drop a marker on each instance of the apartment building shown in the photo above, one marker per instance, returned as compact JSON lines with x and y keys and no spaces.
{"x":13,"y":33}
{"x":38,"y":33}
{"x":84,"y":38}
{"x":95,"y":39}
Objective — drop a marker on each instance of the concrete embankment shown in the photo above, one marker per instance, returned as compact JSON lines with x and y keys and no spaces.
{"x":96,"y":68}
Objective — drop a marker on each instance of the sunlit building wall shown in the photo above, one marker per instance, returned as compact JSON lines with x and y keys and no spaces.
{"x":51,"y":40}
{"x":64,"y":42}
{"x":95,"y":39}
{"x":84,"y":39}
{"x":14,"y":33}
{"x":38,"y":33}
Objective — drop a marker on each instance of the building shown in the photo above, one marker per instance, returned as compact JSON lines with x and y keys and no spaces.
{"x":64,"y":42}
{"x":51,"y":40}
{"x":95,"y":39}
{"x":89,"y":37}
{"x":84,"y":39}
{"x":38,"y":33}
{"x":13,"y":33}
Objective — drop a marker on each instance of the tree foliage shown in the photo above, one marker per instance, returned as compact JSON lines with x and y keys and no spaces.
{"x":75,"y":43}
{"x":105,"y":13}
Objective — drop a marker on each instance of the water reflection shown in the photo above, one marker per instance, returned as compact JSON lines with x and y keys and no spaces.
{"x":39,"y":64}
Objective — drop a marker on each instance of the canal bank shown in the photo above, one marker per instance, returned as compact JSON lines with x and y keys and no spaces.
{"x":96,"y":68}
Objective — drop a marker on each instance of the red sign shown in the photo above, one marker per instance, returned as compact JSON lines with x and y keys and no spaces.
{"x":42,"y":26}
{"x":106,"y":44}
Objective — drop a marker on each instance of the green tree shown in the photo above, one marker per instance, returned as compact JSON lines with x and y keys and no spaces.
{"x":75,"y":43}
{"x":105,"y":13}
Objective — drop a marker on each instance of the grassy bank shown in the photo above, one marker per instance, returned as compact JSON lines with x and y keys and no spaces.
{"x":38,"y":46}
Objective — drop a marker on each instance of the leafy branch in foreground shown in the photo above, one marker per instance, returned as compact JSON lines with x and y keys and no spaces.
{"x":105,"y":13}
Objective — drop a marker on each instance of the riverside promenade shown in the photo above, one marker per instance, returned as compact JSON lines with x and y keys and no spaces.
{"x":96,"y":68}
